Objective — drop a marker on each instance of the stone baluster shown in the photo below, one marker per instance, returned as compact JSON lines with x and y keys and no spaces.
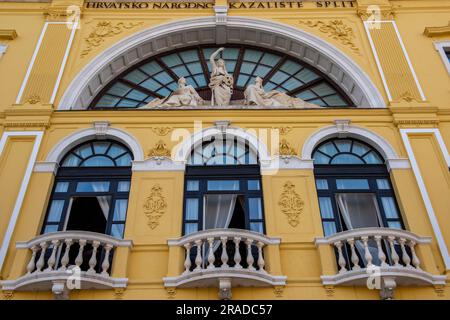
{"x":224,"y":256}
{"x":198,"y":258}
{"x":65,"y":258}
{"x":93,"y":259}
{"x":341,"y":259}
{"x":354,"y":257}
{"x":237,"y":254}
{"x":105,"y":264}
{"x":405,"y":257}
{"x":261,"y":262}
{"x":79,"y":258}
{"x":415,"y":258}
{"x":32,"y":264}
{"x":41,"y":262}
{"x":381,"y":254}
{"x":52,"y":260}
{"x":367,"y":254}
{"x":394,"y":255}
{"x":250,"y":259}
{"x":211,"y":257}
{"x":187,"y":261}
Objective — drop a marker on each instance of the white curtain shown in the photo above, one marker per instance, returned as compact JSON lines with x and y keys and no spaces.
{"x":218,"y":212}
{"x":103,"y":201}
{"x":360,"y":210}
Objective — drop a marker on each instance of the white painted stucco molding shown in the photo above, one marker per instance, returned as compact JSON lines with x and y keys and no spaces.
{"x":195,"y":31}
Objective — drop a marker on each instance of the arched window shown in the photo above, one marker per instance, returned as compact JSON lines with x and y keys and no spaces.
{"x":157,"y":77}
{"x":91,"y":189}
{"x":353,"y":187}
{"x":223,"y":187}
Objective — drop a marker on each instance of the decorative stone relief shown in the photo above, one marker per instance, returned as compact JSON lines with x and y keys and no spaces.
{"x":118,"y":293}
{"x":155,"y":206}
{"x":171,"y":292}
{"x":8,"y":294}
{"x":160,"y":150}
{"x":285,"y":149}
{"x":440,"y":290}
{"x":291,"y":204}
{"x":278,"y":291}
{"x":329,"y":291}
{"x":284,"y":130}
{"x":337,"y":30}
{"x":33,"y":99}
{"x":161,"y":131}
{"x":103,"y":30}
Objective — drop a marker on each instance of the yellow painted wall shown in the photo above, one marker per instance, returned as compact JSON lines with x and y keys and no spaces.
{"x":299,"y":259}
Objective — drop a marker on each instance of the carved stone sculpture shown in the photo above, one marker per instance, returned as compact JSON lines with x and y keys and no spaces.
{"x":255,"y":95}
{"x":221,"y":83}
{"x":185,"y":95}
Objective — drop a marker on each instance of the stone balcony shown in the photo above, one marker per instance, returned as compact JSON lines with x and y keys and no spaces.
{"x":379,"y":258}
{"x":62,"y":261}
{"x":224,"y":258}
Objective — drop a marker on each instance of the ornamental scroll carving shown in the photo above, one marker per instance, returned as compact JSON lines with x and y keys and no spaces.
{"x":337,"y":30}
{"x":291,"y":204}
{"x":103,"y":30}
{"x":155,"y":206}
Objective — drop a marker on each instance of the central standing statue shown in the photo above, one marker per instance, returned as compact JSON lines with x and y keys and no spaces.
{"x":221,"y":83}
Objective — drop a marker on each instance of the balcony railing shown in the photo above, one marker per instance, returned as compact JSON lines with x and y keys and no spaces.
{"x":79,"y":256}
{"x":224,"y":258}
{"x":388,"y":253}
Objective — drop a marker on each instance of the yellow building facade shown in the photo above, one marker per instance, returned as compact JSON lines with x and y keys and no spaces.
{"x":329,"y":181}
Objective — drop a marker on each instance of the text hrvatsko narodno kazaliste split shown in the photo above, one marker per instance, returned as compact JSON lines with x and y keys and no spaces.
{"x":210,"y":5}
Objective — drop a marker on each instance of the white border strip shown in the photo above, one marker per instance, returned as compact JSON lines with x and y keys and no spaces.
{"x":23,"y":187}
{"x":377,"y":60}
{"x":33,"y":59}
{"x":64,"y":61}
{"x":440,"y":47}
{"x":423,"y":190}
{"x":422,"y":95}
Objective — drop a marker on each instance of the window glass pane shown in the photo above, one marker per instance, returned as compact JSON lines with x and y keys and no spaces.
{"x":257,"y":227}
{"x":56,"y":209}
{"x":192,"y":185}
{"x":255,"y":208}
{"x":329,"y":228}
{"x":98,"y":161}
{"x":352,"y":184}
{"x":115,"y":150}
{"x":191,"y":209}
{"x":383,"y":184}
{"x":253,"y":185}
{"x":120,"y":210}
{"x":62,"y":187}
{"x":372,"y":158}
{"x":320,"y":158}
{"x":343,"y":145}
{"x":329,"y":149}
{"x":50,"y":228}
{"x":98,"y":186}
{"x":84,"y":151}
{"x":394,"y":225}
{"x":190,"y":228}
{"x":389,"y":207}
{"x":124,"y":161}
{"x":326,"y":209}
{"x":359,"y":148}
{"x":101,"y":147}
{"x":223,"y":185}
{"x":321,"y":184}
{"x":117,"y":230}
{"x":71,"y":161}
{"x":123,"y":186}
{"x":346,"y":159}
